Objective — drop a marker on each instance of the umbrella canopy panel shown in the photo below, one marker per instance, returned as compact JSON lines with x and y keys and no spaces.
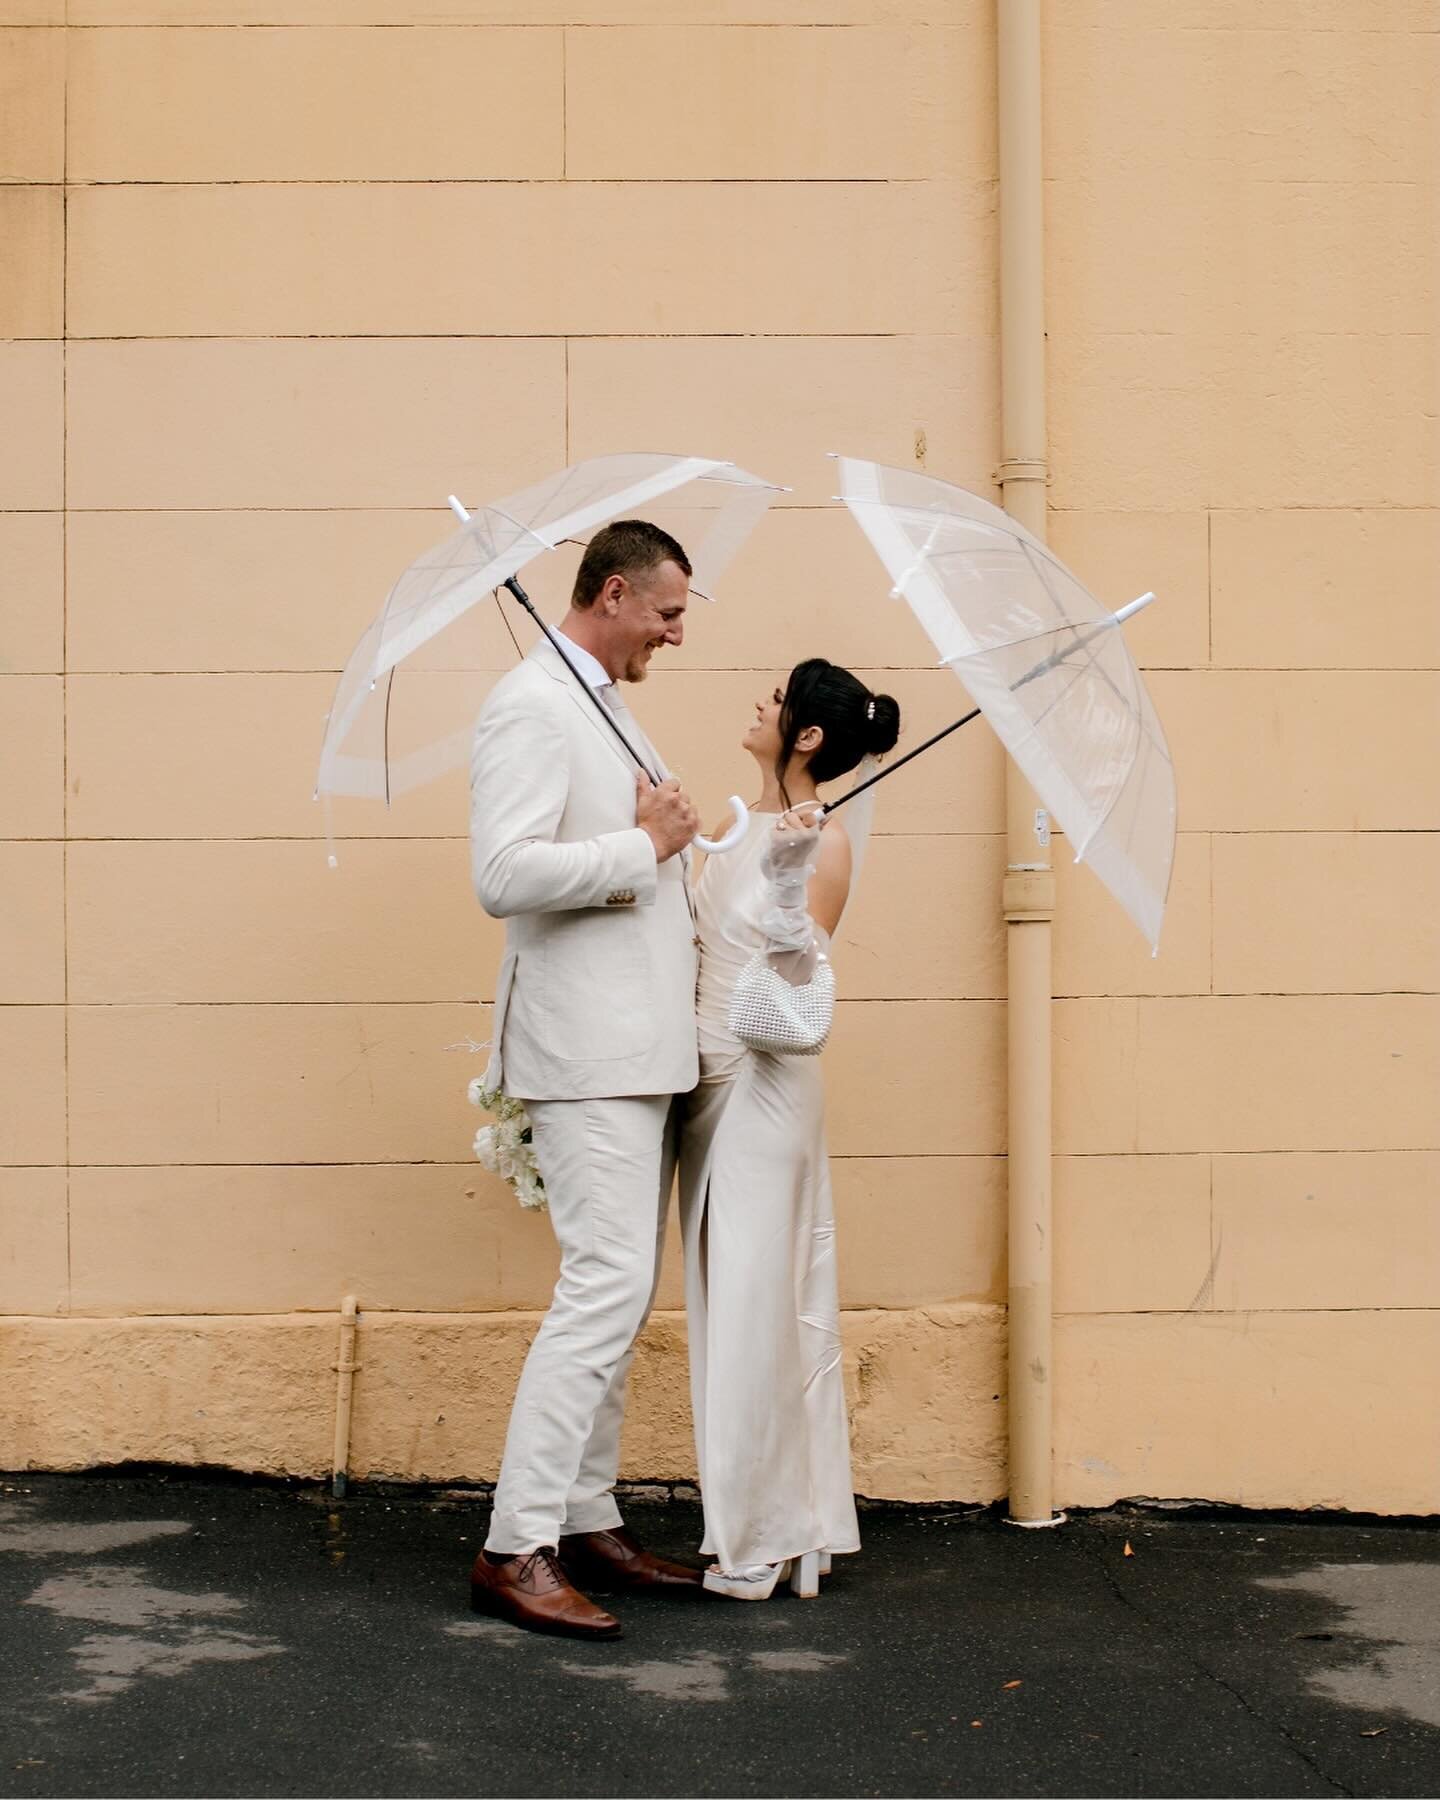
{"x":441,"y":629}
{"x":1045,"y":662}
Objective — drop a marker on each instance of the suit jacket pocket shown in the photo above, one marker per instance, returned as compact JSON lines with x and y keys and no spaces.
{"x":595,"y":986}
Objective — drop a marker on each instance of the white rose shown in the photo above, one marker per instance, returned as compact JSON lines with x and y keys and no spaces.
{"x":530,"y":1190}
{"x":485,"y":1148}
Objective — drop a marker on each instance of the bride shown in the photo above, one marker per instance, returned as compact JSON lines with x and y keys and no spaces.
{"x":771,"y":1435}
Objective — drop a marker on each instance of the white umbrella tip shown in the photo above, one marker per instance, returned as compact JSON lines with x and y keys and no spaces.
{"x":1129,"y":610}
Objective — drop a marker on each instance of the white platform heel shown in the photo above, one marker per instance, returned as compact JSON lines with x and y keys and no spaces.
{"x":805,"y":1572}
{"x":759,"y":1581}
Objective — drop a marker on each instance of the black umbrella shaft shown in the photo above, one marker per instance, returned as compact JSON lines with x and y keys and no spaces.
{"x":909,"y":756}
{"x":604,"y":711}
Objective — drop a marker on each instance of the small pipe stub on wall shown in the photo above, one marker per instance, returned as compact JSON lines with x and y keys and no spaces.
{"x":345,"y":1367}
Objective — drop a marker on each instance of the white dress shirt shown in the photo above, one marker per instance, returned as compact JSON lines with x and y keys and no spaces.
{"x":596,"y":674}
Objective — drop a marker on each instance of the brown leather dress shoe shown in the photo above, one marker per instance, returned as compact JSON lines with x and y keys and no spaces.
{"x":531,"y":1591}
{"x":607,"y":1560}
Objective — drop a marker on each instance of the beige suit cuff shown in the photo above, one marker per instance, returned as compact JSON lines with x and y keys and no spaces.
{"x":635,"y":870}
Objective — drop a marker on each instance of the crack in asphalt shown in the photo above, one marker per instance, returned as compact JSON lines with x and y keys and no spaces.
{"x":1094,"y":1551}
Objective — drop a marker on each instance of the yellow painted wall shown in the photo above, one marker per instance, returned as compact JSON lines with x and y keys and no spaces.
{"x":269,"y":294}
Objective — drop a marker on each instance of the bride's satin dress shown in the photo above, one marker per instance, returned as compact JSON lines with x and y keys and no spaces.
{"x":760,"y":1288}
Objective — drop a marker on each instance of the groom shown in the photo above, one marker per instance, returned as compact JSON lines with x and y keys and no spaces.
{"x":594,"y":1029}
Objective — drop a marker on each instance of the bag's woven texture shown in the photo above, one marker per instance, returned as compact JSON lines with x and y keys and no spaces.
{"x":766,"y":1013}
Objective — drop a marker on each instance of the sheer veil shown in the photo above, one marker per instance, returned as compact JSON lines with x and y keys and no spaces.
{"x":859,"y":820}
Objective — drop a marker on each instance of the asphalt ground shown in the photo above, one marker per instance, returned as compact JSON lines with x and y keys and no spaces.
{"x":168,"y":1635}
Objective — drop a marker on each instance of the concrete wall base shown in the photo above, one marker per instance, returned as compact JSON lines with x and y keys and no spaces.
{"x":1180,"y":1405}
{"x":433,"y":1392}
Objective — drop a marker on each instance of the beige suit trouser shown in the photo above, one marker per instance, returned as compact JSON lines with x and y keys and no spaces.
{"x":607,"y":1168}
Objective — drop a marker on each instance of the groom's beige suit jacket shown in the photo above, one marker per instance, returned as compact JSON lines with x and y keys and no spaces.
{"x":596,"y":992}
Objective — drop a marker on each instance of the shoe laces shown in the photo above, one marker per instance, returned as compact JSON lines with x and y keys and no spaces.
{"x":536,"y":1564}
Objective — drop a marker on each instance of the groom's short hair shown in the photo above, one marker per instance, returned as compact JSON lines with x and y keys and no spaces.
{"x":624,"y":547}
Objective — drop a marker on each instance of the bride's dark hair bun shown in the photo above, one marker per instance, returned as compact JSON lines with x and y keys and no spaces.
{"x":856,"y":723}
{"x":884,"y":724}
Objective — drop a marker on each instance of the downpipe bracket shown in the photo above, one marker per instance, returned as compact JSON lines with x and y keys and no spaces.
{"x":1028,"y":896}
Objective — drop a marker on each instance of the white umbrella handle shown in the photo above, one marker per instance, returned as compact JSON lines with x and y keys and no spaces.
{"x":718,"y":846}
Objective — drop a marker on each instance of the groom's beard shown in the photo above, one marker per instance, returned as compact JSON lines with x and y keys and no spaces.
{"x":637,"y":668}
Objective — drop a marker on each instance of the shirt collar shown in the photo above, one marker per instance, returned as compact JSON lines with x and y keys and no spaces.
{"x":593,"y":671}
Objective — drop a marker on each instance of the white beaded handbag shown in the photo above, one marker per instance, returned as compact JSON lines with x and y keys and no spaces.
{"x":767,"y":1013}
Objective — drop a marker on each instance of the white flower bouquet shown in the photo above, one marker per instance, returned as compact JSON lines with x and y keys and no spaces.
{"x":505,"y":1148}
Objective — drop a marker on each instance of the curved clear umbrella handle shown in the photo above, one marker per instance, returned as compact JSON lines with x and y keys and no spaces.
{"x":718,"y":846}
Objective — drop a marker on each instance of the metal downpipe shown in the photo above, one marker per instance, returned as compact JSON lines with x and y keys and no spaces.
{"x":1029,"y":890}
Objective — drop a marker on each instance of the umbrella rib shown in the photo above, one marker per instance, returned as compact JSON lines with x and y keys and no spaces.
{"x":1075,"y":679}
{"x":1076,"y":675}
{"x":1049,"y":592}
{"x":1038,"y":564}
{"x":1145,"y":778}
{"x":1101,"y":822}
{"x":1140,"y":787}
{"x":1085,"y":643}
{"x":1127,"y":848}
{"x":505,"y":621}
{"x":385,"y":728}
{"x":1130,"y":705}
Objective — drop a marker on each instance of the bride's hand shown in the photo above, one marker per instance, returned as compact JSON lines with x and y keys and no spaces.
{"x":794,"y":840}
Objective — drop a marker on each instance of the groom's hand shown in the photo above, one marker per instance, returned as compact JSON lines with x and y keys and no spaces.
{"x":666,"y":815}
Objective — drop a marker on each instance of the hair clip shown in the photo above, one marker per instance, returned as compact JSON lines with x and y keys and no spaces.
{"x":870,"y":710}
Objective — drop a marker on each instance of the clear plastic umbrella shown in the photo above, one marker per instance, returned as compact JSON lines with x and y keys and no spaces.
{"x":1044,"y":661}
{"x":433,"y":623}
{"x":380,"y":741}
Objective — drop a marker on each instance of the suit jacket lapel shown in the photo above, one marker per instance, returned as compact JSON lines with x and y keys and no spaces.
{"x":548,"y":658}
{"x":632,"y":729}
